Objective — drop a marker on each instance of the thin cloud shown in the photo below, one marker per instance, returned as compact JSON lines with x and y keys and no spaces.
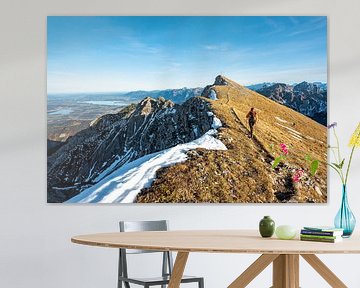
{"x":316,"y":24}
{"x":212,"y":47}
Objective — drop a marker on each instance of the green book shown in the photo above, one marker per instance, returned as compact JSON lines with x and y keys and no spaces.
{"x":324,"y":228}
{"x":338,"y":239}
{"x":319,"y":236}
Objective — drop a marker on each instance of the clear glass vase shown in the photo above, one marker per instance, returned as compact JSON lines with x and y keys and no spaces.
{"x":345,"y":219}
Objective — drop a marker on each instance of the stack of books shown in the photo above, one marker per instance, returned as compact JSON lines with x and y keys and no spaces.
{"x":321,"y":234}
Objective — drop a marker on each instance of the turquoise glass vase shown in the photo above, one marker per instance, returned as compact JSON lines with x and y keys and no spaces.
{"x":345,"y":219}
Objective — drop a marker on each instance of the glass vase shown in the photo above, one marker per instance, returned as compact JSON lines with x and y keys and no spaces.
{"x":345,"y":219}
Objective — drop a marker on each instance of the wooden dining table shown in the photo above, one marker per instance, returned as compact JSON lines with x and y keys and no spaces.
{"x":283,"y":254}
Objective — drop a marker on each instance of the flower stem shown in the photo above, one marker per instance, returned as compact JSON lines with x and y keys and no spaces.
{"x":348,"y":167}
{"x":337,"y":144}
{"x":339,"y":155}
{"x":333,"y":152}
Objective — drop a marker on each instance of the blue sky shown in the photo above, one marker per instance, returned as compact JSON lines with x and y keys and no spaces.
{"x":95,"y":54}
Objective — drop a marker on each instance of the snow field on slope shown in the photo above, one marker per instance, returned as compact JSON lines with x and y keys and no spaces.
{"x":123,"y":185}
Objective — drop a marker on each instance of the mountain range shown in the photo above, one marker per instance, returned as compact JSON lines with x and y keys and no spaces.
{"x":175,"y":95}
{"x":195,"y":151}
{"x":307,"y":98}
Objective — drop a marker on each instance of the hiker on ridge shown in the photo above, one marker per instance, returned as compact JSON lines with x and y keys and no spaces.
{"x":252,"y":118}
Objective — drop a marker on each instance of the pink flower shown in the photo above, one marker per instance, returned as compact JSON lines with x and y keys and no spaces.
{"x":298,"y":175}
{"x":284,"y":149}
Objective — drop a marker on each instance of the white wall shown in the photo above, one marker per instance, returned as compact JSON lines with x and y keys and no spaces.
{"x":35,"y":248}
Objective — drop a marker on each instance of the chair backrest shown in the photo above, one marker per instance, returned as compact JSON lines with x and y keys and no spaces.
{"x":134,"y":226}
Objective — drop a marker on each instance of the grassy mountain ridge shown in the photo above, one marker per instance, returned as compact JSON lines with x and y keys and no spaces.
{"x":243,"y":173}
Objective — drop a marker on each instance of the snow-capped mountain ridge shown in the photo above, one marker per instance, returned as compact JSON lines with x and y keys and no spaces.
{"x":116,"y":139}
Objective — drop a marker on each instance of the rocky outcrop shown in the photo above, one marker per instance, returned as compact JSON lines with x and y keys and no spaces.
{"x":220,"y":80}
{"x":115,"y":139}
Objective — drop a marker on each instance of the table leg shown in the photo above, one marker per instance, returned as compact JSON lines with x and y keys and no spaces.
{"x":324,"y":271}
{"x":253,"y":270}
{"x":286,"y":271}
{"x":178,"y":269}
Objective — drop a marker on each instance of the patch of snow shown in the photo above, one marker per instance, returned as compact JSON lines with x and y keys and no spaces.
{"x":213,"y":95}
{"x":123,"y":185}
{"x":295,"y":136}
{"x":64,"y":188}
{"x":298,"y":133}
{"x":216,"y":123}
{"x":90,"y":172}
{"x":196,"y":131}
{"x":281,"y":120}
{"x":171,"y":110}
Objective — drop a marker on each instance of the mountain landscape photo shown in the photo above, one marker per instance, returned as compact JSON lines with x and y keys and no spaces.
{"x":124,"y":126}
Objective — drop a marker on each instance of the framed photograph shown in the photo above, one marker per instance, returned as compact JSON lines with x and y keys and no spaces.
{"x":205,"y":109}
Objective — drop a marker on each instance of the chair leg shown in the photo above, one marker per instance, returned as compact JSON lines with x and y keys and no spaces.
{"x":201,"y":283}
{"x":120,"y":273}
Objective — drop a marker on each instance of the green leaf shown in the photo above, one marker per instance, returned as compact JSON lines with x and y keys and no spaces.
{"x":333,"y":167}
{"x":339,"y":166}
{"x":277,"y":162}
{"x":314,"y":167}
{"x":342,"y":164}
{"x":308,"y":157}
{"x":336,"y":165}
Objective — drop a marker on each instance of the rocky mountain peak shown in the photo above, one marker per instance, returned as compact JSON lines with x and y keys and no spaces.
{"x":280,"y":87}
{"x":150,"y":105}
{"x":220,"y":80}
{"x":306,"y":87}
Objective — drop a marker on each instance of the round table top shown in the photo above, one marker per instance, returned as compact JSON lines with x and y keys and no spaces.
{"x":219,"y":241}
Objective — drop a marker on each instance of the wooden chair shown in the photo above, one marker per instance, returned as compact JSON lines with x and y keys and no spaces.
{"x":167,"y":263}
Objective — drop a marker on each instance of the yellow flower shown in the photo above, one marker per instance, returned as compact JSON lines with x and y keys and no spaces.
{"x":355,"y":138}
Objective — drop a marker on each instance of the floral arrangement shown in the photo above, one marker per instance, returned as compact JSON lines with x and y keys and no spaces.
{"x":339,"y":163}
{"x":299,"y":173}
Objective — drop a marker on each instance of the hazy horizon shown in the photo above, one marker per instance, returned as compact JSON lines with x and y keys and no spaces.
{"x":120,"y":54}
{"x":129,"y":91}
